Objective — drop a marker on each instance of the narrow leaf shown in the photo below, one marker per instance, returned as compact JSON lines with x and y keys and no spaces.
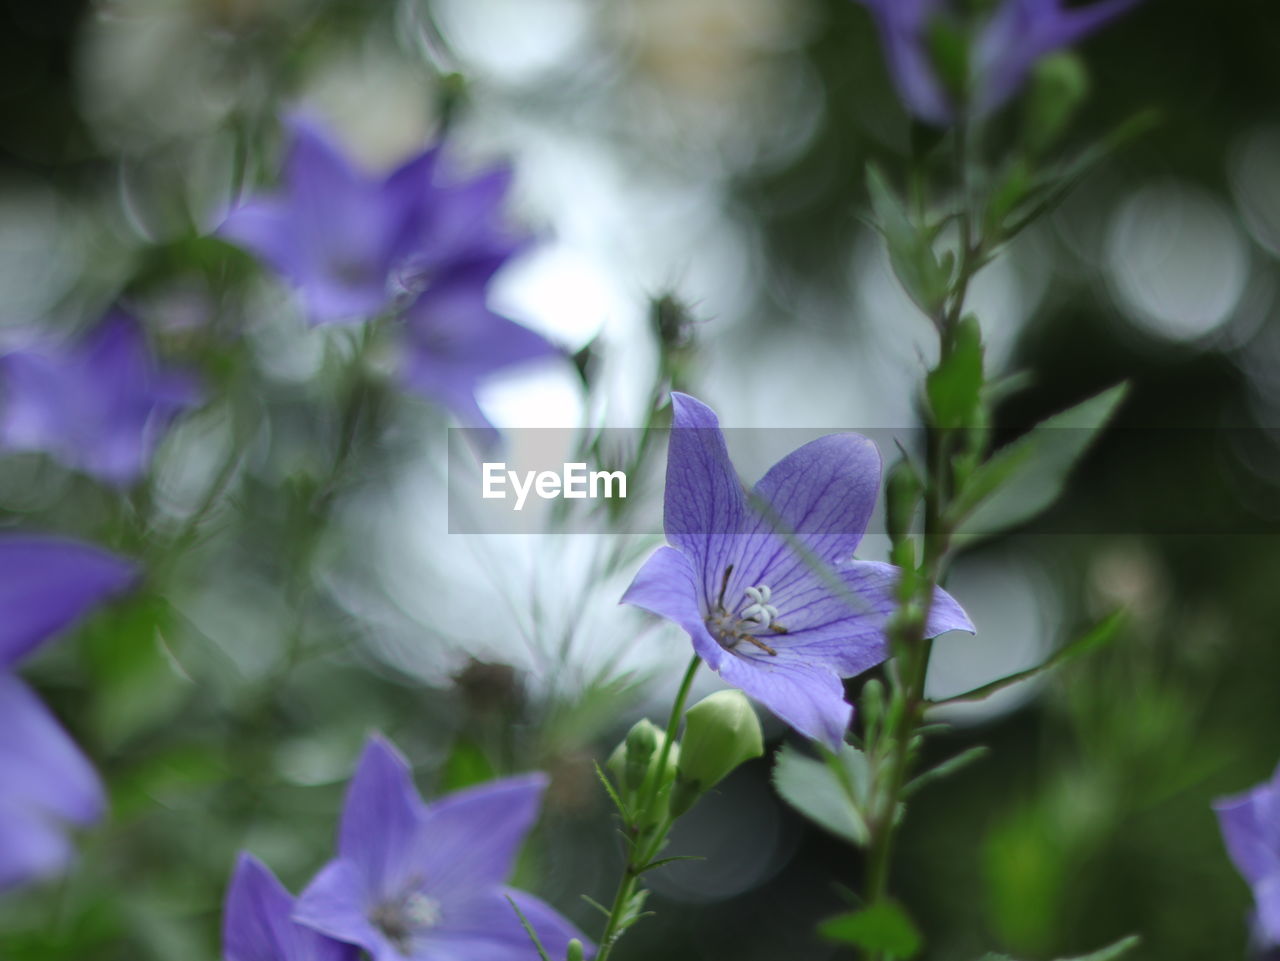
{"x":528,"y":929}
{"x":945,"y":769}
{"x":1030,"y":472}
{"x":1100,"y":634}
{"x":1109,"y":953}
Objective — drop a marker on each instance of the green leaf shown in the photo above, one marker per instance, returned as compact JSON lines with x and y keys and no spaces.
{"x":882,"y":928}
{"x":954,"y":387}
{"x":1030,"y":472}
{"x":822,"y":793}
{"x":911,"y":253}
{"x":1102,"y":633}
{"x":1109,"y":953}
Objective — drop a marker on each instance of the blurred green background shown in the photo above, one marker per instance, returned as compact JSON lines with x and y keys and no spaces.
{"x":713,"y":148}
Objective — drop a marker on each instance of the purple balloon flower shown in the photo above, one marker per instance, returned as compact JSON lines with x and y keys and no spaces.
{"x":413,"y":241}
{"x":258,"y":925}
{"x":46,"y":585}
{"x":1250,"y":825}
{"x":1019,"y":33}
{"x":758,"y":612}
{"x":426,"y":881}
{"x":98,"y":404}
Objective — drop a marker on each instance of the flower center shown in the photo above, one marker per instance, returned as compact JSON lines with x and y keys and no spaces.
{"x":401,"y":919}
{"x":731,"y":627}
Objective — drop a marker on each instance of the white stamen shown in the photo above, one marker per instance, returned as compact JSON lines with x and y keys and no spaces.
{"x":421,"y":911}
{"x":760,"y":611}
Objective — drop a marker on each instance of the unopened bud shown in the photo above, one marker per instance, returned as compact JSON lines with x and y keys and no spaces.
{"x":575,"y":952}
{"x":632,"y":762}
{"x":721,"y":732}
{"x":902,"y":495}
{"x":1059,"y":85}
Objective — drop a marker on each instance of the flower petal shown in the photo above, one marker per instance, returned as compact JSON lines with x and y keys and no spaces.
{"x":803,"y":692}
{"x":33,"y":847}
{"x":1250,"y":824}
{"x":487,"y":928}
{"x":705,"y":505}
{"x":44,"y":769}
{"x":257,"y":923}
{"x":821,"y":495}
{"x":382,"y":817}
{"x":471,"y":837}
{"x":667,"y":586}
{"x":336,"y":904}
{"x":49,"y":583}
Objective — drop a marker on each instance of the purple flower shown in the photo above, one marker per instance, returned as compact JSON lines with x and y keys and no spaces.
{"x":1250,"y":825}
{"x":98,"y":404}
{"x":46,"y":585}
{"x":757,"y":611}
{"x":1019,"y":33}
{"x":258,"y":925}
{"x":426,"y":881}
{"x":412,"y":242}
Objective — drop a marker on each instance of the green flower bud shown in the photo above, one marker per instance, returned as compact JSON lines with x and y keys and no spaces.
{"x":575,"y":951}
{"x":641,"y":745}
{"x":1059,"y":84}
{"x":633,"y":762}
{"x":721,"y":732}
{"x":902,"y":495}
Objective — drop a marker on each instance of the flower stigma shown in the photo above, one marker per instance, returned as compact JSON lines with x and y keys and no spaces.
{"x":401,"y":920}
{"x":732,"y":629}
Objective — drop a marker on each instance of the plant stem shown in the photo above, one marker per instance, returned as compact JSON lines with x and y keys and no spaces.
{"x":910,"y":641}
{"x":639,"y":856}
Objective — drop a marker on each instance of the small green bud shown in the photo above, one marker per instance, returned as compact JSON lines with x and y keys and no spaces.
{"x":575,"y":951}
{"x":633,"y":762}
{"x":721,"y":732}
{"x":902,"y":496}
{"x":1059,"y":85}
{"x":641,"y":745}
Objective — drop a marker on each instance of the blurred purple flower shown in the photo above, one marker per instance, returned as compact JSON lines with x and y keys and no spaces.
{"x":258,"y":925}
{"x":99,"y":404}
{"x":757,"y":612}
{"x":46,"y":585}
{"x":1019,"y":33}
{"x":412,"y":242}
{"x":426,"y":881}
{"x":1250,"y":825}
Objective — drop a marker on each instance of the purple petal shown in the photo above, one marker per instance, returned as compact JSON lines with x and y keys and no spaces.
{"x":453,"y":342}
{"x":1250,"y":824}
{"x":1023,"y":31}
{"x":32,"y":846}
{"x":846,"y":629}
{"x":705,"y":505}
{"x":821,"y":495}
{"x":263,"y":227}
{"x":806,"y":694}
{"x":47,"y":584}
{"x":257,"y":923}
{"x":487,"y":928}
{"x":337,"y":903}
{"x":471,"y":838}
{"x":667,"y":586}
{"x":44,"y":768}
{"x":903,"y":26}
{"x":1267,"y":896}
{"x":382,"y":816}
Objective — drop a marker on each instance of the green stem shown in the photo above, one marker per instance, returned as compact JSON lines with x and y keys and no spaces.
{"x":910,"y":641}
{"x":641,"y":854}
